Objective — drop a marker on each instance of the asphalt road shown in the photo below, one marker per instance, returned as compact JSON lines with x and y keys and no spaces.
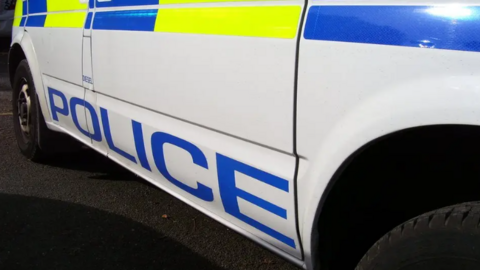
{"x":84,"y":212}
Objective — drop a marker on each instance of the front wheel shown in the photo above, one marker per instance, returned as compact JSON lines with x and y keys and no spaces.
{"x":26,"y":113}
{"x":35,"y":140}
{"x":445,"y":239}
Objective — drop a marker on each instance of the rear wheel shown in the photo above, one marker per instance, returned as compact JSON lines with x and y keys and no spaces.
{"x":445,"y":239}
{"x":35,"y":140}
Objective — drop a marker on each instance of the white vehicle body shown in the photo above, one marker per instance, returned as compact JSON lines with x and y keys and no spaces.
{"x":249,"y":122}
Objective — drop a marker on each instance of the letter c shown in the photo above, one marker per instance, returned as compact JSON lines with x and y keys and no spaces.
{"x":158,"y":140}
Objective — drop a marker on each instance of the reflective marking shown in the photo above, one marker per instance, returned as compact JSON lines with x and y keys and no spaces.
{"x":36,"y":21}
{"x":260,"y":21}
{"x":67,"y":20}
{"x":65,"y":5}
{"x":451,"y":27}
{"x":257,"y":21}
{"x":88,"y":22}
{"x":164,"y":2}
{"x":126,"y":3}
{"x":18,"y":14}
{"x":25,"y":7}
{"x":131,"y":20}
{"x":37,"y":6}
{"x":17,"y":21}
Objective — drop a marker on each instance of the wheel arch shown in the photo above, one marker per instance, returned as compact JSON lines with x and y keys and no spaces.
{"x":22,"y":48}
{"x":434,"y":103}
{"x":15,"y":56}
{"x":426,"y":161}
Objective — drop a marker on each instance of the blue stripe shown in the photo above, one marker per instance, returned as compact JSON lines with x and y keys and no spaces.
{"x":91,"y":3}
{"x":88,"y":21}
{"x":124,"y":3}
{"x":130,"y":20}
{"x":37,"y":6}
{"x":22,"y":21}
{"x":439,"y":27}
{"x":36,"y":21}
{"x":25,"y":7}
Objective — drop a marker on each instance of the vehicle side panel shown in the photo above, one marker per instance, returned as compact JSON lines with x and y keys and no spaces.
{"x":367,"y":70}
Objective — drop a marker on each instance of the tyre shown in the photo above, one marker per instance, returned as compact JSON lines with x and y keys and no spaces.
{"x":448,"y":238}
{"x":35,"y":141}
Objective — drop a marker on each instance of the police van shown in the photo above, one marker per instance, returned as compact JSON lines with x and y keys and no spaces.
{"x":339,"y":134}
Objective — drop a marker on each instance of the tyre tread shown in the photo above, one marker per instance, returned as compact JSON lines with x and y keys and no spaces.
{"x":461,"y":216}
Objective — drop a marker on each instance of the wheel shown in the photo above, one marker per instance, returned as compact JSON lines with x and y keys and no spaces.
{"x":448,"y":238}
{"x":35,"y":140}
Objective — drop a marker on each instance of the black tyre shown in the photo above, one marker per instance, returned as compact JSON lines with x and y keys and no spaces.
{"x":35,"y":140}
{"x":448,"y":238}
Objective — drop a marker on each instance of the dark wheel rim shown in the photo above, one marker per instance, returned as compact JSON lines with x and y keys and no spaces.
{"x":24,"y":110}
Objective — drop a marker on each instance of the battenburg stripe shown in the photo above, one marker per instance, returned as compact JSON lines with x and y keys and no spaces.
{"x":68,"y":20}
{"x":65,"y":5}
{"x":36,"y":20}
{"x":18,"y":10}
{"x":37,"y":6}
{"x":42,"y":6}
{"x":88,"y":21}
{"x":24,"y":7}
{"x":18,"y":14}
{"x":256,"y":21}
{"x":61,"y":13}
{"x":126,"y":3}
{"x":131,"y":20}
{"x":23,"y":21}
{"x":164,"y":2}
{"x":17,"y":21}
{"x":439,"y":27}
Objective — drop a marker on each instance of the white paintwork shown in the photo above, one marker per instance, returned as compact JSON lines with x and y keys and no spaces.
{"x":351,"y":94}
{"x":240,"y":86}
{"x":179,"y":164}
{"x":87,"y":63}
{"x":59,"y":52}
{"x":91,"y":97}
{"x":234,"y":96}
{"x":221,"y":86}
{"x":24,"y":40}
{"x":66,"y":122}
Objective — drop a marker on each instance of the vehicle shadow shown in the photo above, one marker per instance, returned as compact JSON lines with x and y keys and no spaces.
{"x":89,"y":160}
{"x":40,"y":233}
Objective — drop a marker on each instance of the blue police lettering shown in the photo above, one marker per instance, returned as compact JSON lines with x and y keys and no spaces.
{"x":108,"y":137}
{"x":54,"y":107}
{"x":96,"y":135}
{"x":226,"y":167}
{"x":74,"y":102}
{"x":158,"y":140}
{"x":139,"y":144}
